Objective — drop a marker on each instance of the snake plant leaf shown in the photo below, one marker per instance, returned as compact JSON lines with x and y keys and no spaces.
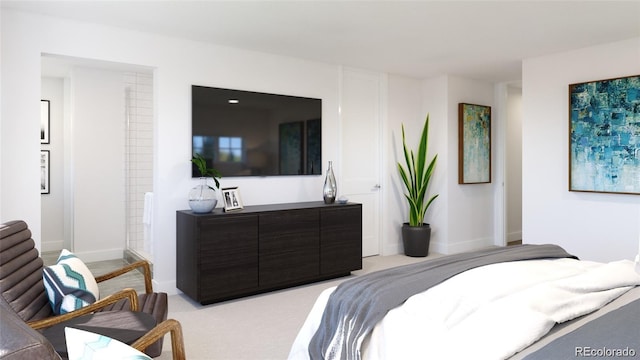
{"x":416,"y":176}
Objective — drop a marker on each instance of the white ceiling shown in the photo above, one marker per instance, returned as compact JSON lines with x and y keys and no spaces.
{"x":485,"y":40}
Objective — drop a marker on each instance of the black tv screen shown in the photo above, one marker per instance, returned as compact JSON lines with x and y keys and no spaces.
{"x":244,"y":133}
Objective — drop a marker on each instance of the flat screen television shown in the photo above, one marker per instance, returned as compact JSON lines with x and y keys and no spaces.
{"x":245,"y":133}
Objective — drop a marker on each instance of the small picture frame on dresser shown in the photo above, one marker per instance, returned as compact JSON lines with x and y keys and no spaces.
{"x":231,"y":198}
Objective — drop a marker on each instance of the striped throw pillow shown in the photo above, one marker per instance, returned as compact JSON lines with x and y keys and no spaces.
{"x":69,"y":284}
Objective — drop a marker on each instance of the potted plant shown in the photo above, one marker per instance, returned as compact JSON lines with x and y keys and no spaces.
{"x":202,"y":198}
{"x":416,"y":174}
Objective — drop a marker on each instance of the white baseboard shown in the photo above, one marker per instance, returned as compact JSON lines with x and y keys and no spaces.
{"x":168,"y":287}
{"x":52,"y":246}
{"x":392,"y":249}
{"x":443,"y":247}
{"x":91,"y":256}
{"x":437,"y":247}
{"x":514,"y":236}
{"x":463,"y":246}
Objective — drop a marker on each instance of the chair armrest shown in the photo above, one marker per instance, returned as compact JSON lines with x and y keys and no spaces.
{"x":177,"y":339}
{"x":108,"y":300}
{"x":148,"y":287}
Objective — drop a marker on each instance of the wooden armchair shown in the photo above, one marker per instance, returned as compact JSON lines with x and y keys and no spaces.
{"x":22,"y":286}
{"x":21,"y":342}
{"x":142,"y":264}
{"x":150,"y":302}
{"x":100,"y":305}
{"x":168,"y":326}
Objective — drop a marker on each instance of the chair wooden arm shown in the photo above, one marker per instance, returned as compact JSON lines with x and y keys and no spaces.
{"x":108,"y":300}
{"x":177,"y":339}
{"x":148,"y":287}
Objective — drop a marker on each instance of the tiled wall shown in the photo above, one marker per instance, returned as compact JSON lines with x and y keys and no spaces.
{"x":139,"y":153}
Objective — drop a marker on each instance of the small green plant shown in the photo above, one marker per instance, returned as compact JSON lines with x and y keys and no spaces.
{"x":416,"y":177}
{"x":205,"y":171}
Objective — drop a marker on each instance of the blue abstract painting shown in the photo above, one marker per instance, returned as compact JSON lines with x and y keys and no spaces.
{"x":604,"y":136}
{"x":474,"y":144}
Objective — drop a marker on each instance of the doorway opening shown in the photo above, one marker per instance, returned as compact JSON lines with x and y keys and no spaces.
{"x":88,"y":163}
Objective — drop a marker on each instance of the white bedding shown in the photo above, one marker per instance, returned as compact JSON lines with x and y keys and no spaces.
{"x":489,"y":312}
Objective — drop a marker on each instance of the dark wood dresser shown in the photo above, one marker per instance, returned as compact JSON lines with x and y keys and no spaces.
{"x":221,"y":256}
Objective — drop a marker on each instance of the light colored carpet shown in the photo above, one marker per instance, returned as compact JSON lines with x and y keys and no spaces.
{"x":260,"y":327}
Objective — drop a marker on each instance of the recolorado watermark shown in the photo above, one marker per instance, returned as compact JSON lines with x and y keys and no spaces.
{"x":587,"y":351}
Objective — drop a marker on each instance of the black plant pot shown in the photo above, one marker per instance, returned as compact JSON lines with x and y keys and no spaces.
{"x":416,"y":240}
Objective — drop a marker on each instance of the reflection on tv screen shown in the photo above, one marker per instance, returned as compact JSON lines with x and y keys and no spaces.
{"x":243,"y":133}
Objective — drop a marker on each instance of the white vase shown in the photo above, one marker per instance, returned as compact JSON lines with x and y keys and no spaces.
{"x":202,"y":198}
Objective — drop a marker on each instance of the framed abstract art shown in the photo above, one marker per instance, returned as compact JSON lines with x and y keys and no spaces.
{"x":474,"y":144}
{"x":604,"y":136}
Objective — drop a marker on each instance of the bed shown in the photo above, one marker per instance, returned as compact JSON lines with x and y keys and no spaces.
{"x":516,"y":302}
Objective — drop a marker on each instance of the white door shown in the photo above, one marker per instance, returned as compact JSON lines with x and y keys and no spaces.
{"x":360,"y":116}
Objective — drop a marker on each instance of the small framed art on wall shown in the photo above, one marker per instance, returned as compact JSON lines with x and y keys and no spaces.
{"x":474,"y":144}
{"x":44,"y":172}
{"x":45,"y":121}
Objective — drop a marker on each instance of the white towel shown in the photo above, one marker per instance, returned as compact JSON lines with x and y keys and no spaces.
{"x":148,"y":208}
{"x":147,"y":220}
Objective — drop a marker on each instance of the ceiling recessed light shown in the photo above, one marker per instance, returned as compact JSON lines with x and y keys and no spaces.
{"x":233,"y":101}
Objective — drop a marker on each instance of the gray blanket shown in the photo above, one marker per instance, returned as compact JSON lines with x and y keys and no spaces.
{"x":357,"y":305}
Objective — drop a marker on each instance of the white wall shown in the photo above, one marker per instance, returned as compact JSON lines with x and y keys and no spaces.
{"x":20,"y":89}
{"x":52,"y":217}
{"x":404,"y":107}
{"x":471,"y":208}
{"x":178,"y":64}
{"x":435,"y":102}
{"x":514,"y":163}
{"x":98,"y":154}
{"x":462,"y":216}
{"x":601,"y":227}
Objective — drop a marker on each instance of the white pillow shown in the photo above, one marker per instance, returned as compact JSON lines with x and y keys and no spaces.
{"x":69,"y":284}
{"x":85,"y":345}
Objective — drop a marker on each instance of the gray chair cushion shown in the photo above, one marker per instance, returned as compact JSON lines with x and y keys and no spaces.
{"x":155,"y":304}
